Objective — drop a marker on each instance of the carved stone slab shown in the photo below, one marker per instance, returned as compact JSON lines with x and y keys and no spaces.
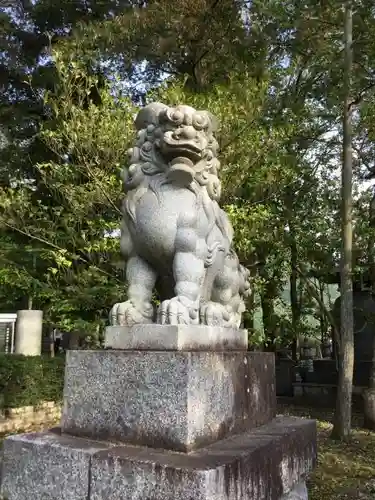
{"x":175,"y":338}
{"x":267,"y":463}
{"x":264,"y":464}
{"x":47,"y":465}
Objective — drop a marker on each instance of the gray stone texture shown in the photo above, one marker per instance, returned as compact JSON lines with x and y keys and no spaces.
{"x":47,"y":466}
{"x":263,"y":464}
{"x":174,"y":236}
{"x":299,"y":492}
{"x":175,"y":338}
{"x":174,"y":400}
{"x":267,"y":463}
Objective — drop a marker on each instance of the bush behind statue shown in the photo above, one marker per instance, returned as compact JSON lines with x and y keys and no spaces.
{"x":30,"y":380}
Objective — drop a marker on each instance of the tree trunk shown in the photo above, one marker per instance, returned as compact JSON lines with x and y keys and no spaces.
{"x":371,"y":244}
{"x":369,"y":394}
{"x":294,"y":302}
{"x":322,"y":318}
{"x":51,"y":341}
{"x":342,"y":419}
{"x":30,"y":299}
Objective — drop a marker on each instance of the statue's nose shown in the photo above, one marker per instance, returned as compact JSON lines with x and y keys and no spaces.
{"x":187,"y":133}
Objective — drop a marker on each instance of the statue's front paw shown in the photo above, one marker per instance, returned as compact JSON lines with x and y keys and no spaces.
{"x":128,"y":314}
{"x":174,"y":312}
{"x":215,"y":314}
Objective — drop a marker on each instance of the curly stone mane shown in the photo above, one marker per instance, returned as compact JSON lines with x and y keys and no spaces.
{"x":158,"y":128}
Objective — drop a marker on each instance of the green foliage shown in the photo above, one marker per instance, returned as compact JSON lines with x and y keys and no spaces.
{"x":30,"y":380}
{"x":62,"y":142}
{"x":69,"y":210}
{"x":271,"y":73}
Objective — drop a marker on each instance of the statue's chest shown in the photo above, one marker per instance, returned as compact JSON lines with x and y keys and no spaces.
{"x":166,"y":204}
{"x":157,"y":216}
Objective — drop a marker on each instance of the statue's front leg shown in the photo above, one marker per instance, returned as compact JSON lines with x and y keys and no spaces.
{"x":138,"y":308}
{"x":189,"y":272}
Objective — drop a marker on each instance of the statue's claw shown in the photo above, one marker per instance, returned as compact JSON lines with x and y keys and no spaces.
{"x":174,"y":312}
{"x":128,"y":314}
{"x":215,"y":314}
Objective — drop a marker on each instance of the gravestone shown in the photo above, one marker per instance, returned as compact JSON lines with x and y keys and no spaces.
{"x":364,"y":323}
{"x":29,"y":328}
{"x":175,"y":407}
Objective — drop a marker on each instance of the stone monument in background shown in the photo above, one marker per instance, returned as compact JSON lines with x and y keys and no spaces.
{"x":175,"y":407}
{"x":29,"y":331}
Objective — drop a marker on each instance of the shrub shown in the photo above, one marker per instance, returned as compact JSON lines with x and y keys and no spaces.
{"x":30,"y":380}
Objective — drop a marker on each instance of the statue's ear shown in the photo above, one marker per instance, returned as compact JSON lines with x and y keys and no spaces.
{"x":149,"y":115}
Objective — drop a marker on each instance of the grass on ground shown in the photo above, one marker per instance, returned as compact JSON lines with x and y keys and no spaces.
{"x":344,"y":470}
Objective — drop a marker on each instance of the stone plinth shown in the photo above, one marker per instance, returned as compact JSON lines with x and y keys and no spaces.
{"x":267,"y":463}
{"x":176,"y":419}
{"x":167,"y":399}
{"x":175,"y":338}
{"x":47,"y":466}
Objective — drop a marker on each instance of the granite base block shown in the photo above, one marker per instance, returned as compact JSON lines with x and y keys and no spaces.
{"x":173,"y":400}
{"x":175,"y":338}
{"x":47,"y":466}
{"x":264,"y":464}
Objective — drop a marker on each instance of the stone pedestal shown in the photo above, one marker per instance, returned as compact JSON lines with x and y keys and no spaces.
{"x":175,"y":423}
{"x":29,"y":332}
{"x":174,"y":400}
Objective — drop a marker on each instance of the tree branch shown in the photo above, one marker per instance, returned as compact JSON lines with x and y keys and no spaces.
{"x":361,"y":95}
{"x":315,"y":295}
{"x":56,"y":247}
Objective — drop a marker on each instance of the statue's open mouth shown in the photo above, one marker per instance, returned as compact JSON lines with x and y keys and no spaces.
{"x":181,"y":171}
{"x":174,"y":148}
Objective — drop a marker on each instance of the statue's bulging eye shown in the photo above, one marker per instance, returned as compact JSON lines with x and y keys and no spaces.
{"x":200,"y":121}
{"x":175,"y":116}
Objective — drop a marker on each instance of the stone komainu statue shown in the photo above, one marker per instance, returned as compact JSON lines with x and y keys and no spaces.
{"x":175,"y":237}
